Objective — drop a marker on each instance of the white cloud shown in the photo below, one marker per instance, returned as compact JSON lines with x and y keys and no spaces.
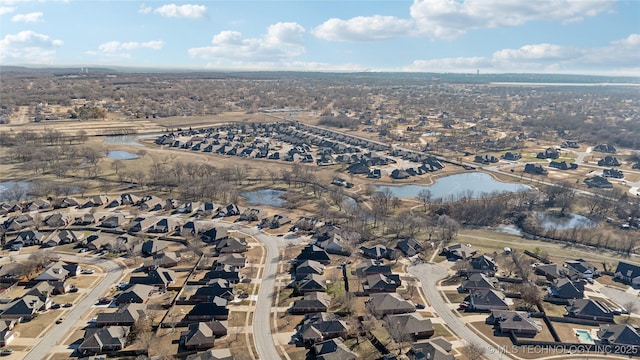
{"x":28,"y":18}
{"x":182,"y":11}
{"x":449,"y":19}
{"x":28,"y":47}
{"x":618,"y":57}
{"x":282,"y":41}
{"x":144,"y":9}
{"x":116,"y":46}
{"x":6,"y":10}
{"x":363,"y":28}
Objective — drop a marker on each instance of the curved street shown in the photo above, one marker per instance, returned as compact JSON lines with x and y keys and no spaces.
{"x":429,"y":275}
{"x":262,"y":314}
{"x":52,"y":338}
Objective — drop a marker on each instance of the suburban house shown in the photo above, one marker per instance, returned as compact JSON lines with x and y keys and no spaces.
{"x":381,"y":283}
{"x":333,"y":349}
{"x":555,"y":271}
{"x":484,"y":264}
{"x":477,"y":281}
{"x":167,"y":259}
{"x":62,"y":237}
{"x":160,"y":278}
{"x":566,"y":289}
{"x":458,"y":251}
{"x":211,"y":354}
{"x":517,"y":322}
{"x":226,"y":272}
{"x":56,"y":220}
{"x":56,"y":271}
{"x":432,"y":349}
{"x":377,"y":252}
{"x":335,"y":244}
{"x":6,"y":331}
{"x":311,"y":303}
{"x":201,"y":335}
{"x":589,"y":309}
{"x":487,"y":299}
{"x":214,"y":288}
{"x":232,"y":259}
{"x":311,"y":283}
{"x":230,"y":245}
{"x":18,"y":222}
{"x":113,"y":221}
{"x":126,"y":315}
{"x":141,"y":224}
{"x":138,"y":293}
{"x":628,"y":273}
{"x":104,"y":339}
{"x":317,"y":327}
{"x":410,"y":325}
{"x":312,"y":252}
{"x":215,"y":310}
{"x":151,"y":247}
{"x":23,"y":308}
{"x":371,"y":267}
{"x":389,"y":303}
{"x":307,"y":267}
{"x":584,"y":268}
{"x":409,"y":246}
{"x":29,"y":237}
{"x":623,"y":335}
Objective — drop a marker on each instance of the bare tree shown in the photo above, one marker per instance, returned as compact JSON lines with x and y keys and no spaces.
{"x":473,"y":351}
{"x":425,"y":197}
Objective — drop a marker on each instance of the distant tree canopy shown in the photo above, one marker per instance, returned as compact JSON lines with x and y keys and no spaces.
{"x":87,"y":112}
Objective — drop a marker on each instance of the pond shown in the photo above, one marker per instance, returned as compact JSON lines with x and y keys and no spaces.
{"x":268,"y":197}
{"x":121,"y":155}
{"x":568,"y":221}
{"x":473,"y":184}
{"x":7,"y":188}
{"x":122,"y":140}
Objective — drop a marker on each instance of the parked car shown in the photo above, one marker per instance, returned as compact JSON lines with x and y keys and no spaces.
{"x":55,"y":306}
{"x":104,"y":300}
{"x":59,"y":321}
{"x":68,"y":305}
{"x":420,"y":306}
{"x":6,"y":352}
{"x":73,"y":290}
{"x":87,"y":271}
{"x":84,"y":250}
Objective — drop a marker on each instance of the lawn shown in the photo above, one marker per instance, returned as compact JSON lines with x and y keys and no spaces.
{"x":84,"y":281}
{"x":35,"y":327}
{"x":553,"y":309}
{"x":455,"y":297}
{"x":238,"y":318}
{"x":567,"y":331}
{"x":443,"y":330}
{"x":609,"y":281}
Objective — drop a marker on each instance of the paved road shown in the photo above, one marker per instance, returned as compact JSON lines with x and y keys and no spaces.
{"x":262,"y":315}
{"x":429,"y":274}
{"x":44,"y":347}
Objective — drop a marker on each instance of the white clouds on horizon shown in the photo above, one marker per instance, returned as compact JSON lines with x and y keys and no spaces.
{"x":120,"y":49}
{"x":621,"y":56}
{"x":282,"y":41}
{"x":188,"y":11}
{"x":28,"y":18}
{"x":29,"y":47}
{"x":447,"y":19}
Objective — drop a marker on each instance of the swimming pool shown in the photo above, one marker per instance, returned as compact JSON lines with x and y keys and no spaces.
{"x":584,"y":336}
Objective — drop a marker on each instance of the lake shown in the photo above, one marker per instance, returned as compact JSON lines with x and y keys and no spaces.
{"x":268,"y":197}
{"x":453,"y":187}
{"x":121,"y":155}
{"x":568,"y":221}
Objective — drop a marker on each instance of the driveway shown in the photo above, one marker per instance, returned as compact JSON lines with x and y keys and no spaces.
{"x":429,"y":275}
{"x":46,"y":344}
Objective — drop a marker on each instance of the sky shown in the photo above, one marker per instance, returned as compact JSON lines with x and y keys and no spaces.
{"x":600,"y":37}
